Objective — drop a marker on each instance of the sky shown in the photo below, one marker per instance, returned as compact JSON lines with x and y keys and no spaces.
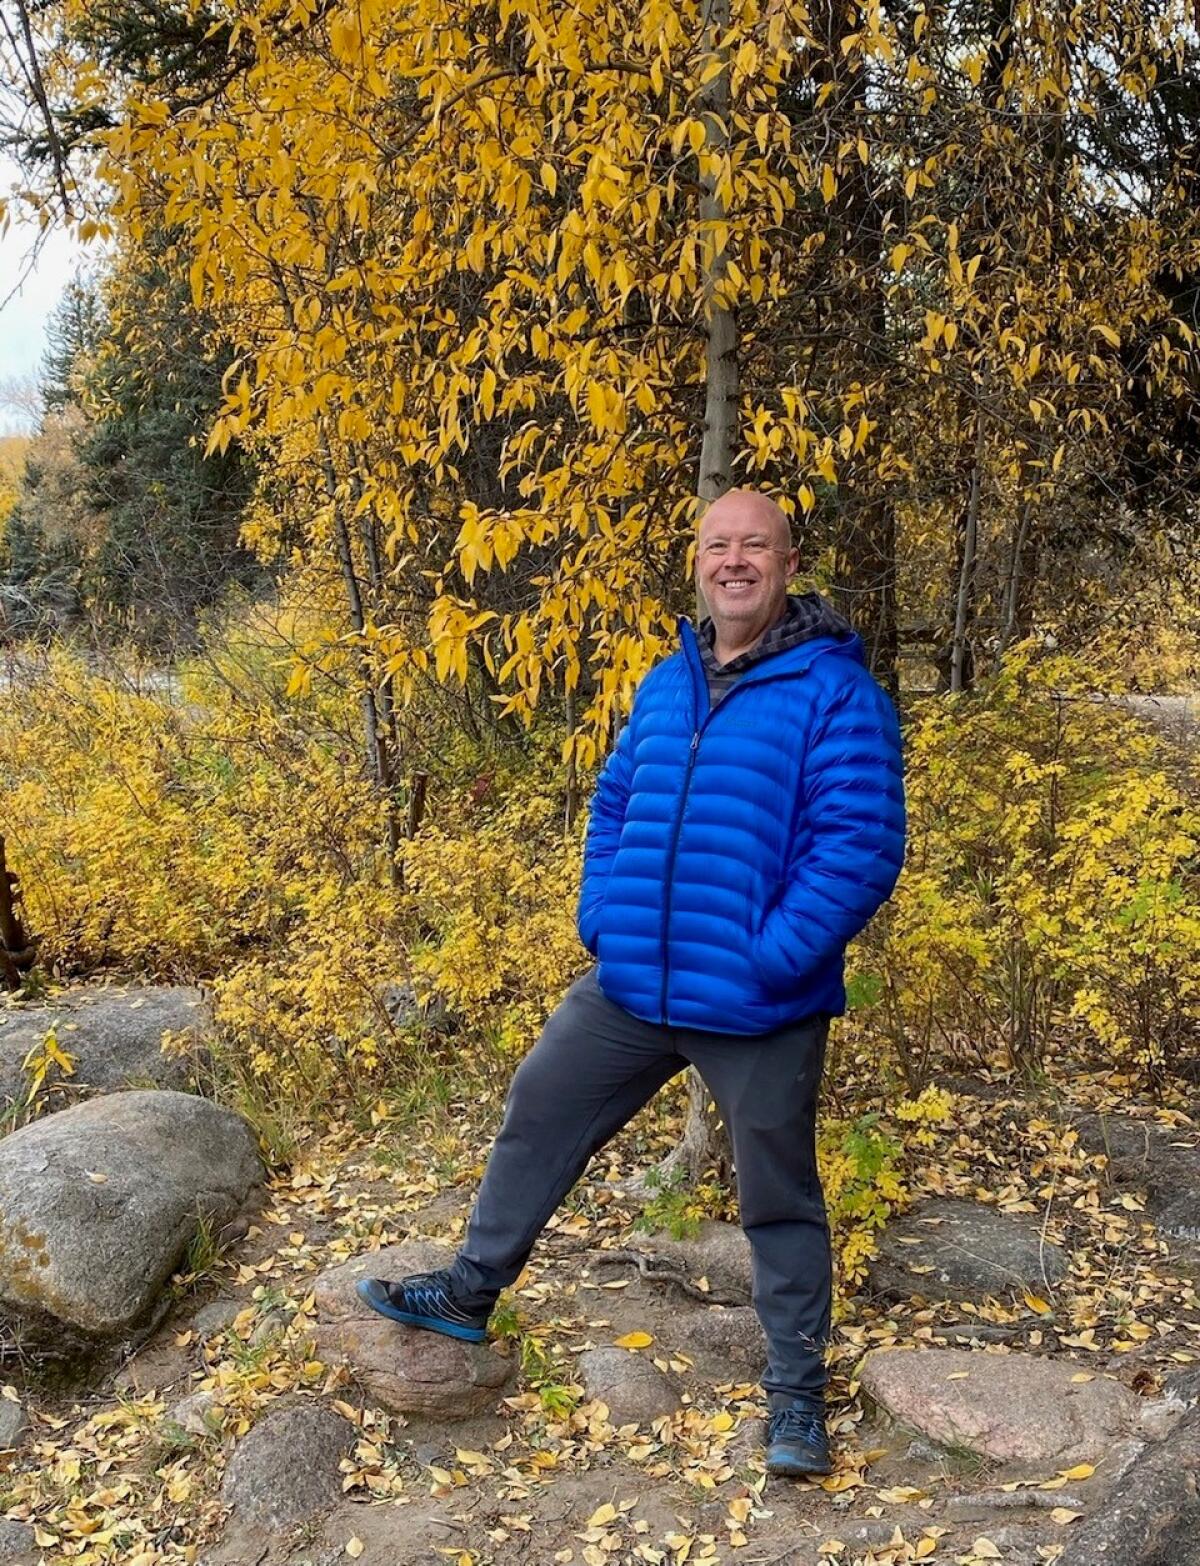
{"x":23,"y":316}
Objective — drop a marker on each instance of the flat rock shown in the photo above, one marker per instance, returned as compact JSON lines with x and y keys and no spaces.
{"x":972,"y":1251}
{"x":719,"y":1252}
{"x":98,"y":1204}
{"x":634,"y":1388}
{"x":286,"y":1470}
{"x":403,"y":1369}
{"x":1009,"y":1408}
{"x":113,"y":1035}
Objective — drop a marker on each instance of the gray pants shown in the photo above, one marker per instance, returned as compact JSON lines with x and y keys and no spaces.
{"x":593,"y":1068}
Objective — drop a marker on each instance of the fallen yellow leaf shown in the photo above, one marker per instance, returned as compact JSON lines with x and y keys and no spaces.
{"x":635,"y":1340}
{"x":354,"y":1547}
{"x":602,"y":1514}
{"x":1080,"y":1471}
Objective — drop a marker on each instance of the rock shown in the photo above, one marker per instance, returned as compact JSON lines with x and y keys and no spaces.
{"x":1152,"y":1518}
{"x":404,"y":1370}
{"x":98,"y":1204}
{"x":114,"y":1036}
{"x":286,"y":1470}
{"x":216,"y":1316}
{"x":973,"y":1250}
{"x":720,"y":1252}
{"x":634,"y":1388}
{"x":1162,"y":1161}
{"x":1179,"y":1219}
{"x":13,"y":1424}
{"x":405,"y":1009}
{"x":16,"y":1538}
{"x":1009,"y":1408}
{"x":196,"y":1414}
{"x":273,"y":1325}
{"x":734,"y":1334}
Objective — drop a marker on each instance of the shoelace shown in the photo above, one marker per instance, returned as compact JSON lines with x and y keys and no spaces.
{"x":428,"y":1289}
{"x":798,"y":1424}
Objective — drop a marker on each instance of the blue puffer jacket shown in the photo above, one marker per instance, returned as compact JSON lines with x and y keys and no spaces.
{"x":732,"y":854}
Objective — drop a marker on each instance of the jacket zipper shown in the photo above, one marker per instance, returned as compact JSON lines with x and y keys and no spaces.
{"x":687,"y":783}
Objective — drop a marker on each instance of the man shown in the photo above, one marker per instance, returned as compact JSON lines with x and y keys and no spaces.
{"x":745,"y":828}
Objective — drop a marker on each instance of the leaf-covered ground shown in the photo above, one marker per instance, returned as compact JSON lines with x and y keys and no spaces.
{"x":110,"y":1476}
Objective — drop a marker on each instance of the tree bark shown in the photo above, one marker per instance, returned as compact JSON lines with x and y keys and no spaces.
{"x":961,"y":667}
{"x":705,"y":1146}
{"x":18,"y":949}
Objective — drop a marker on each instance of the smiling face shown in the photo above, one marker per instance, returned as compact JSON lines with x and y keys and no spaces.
{"x":744,"y":560}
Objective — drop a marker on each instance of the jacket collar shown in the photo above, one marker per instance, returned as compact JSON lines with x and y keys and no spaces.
{"x":776,"y":666}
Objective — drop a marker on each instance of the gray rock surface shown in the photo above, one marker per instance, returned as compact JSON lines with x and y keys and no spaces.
{"x":197,"y":1414}
{"x":1009,"y":1408}
{"x":633,"y":1387}
{"x":720,"y":1252}
{"x":403,"y":1369}
{"x":733,"y":1333}
{"x":13,"y":1424}
{"x":970,"y":1251}
{"x":1152,"y":1518}
{"x":114,"y":1036}
{"x":99,"y":1202}
{"x":216,"y":1316}
{"x":1161,"y":1161}
{"x":16,"y":1539}
{"x":286,"y":1470}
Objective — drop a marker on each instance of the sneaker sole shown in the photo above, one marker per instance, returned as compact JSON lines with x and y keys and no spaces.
{"x":791,"y":1468}
{"x":448,"y":1329}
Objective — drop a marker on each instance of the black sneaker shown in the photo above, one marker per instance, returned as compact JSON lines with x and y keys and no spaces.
{"x":796,"y":1441}
{"x":423,"y":1299}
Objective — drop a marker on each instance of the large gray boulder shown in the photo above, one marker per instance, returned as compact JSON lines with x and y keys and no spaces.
{"x":113,"y":1036}
{"x":1009,"y":1408}
{"x":950,"y":1249}
{"x":1152,"y":1516}
{"x":99,"y":1203}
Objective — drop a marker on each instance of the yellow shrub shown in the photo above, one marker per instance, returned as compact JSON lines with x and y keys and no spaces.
{"x":1052,"y":881}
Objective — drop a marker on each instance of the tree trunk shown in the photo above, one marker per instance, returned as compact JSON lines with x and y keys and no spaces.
{"x":18,"y":950}
{"x":865,"y":547}
{"x":376,"y":706}
{"x":961,"y":663}
{"x":705,"y":1146}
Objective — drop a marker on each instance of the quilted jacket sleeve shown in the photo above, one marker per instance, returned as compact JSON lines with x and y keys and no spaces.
{"x":854,"y":798}
{"x":606,"y":816}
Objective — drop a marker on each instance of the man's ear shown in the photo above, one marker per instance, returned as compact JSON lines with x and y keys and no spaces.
{"x":793,"y":562}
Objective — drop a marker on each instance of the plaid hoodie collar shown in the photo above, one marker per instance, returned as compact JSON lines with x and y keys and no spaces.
{"x":807,"y":615}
